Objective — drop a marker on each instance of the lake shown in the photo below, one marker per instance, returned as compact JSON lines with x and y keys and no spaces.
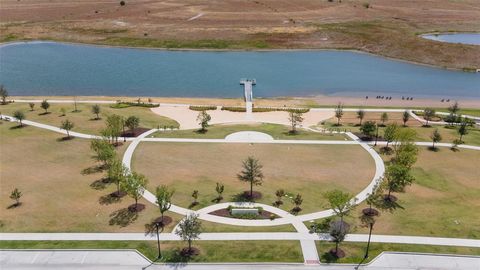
{"x":49,"y":68}
{"x":463,"y":38}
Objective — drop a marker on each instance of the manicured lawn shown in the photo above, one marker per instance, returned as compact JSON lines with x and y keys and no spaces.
{"x":84,"y":120}
{"x":355,"y":251}
{"x":57,"y":197}
{"x":210,"y":251}
{"x":279,"y":132}
{"x":217,"y":227}
{"x":308,"y":170}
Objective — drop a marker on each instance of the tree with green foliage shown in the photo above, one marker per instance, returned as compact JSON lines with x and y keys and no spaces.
{"x":454,"y":108}
{"x":390,"y":133}
{"x":384,"y":118}
{"x":114,"y":126}
{"x":164,"y":198}
{"x":195,"y":197}
{"x":295,"y":118}
{"x":3,"y":94}
{"x":132,"y":123}
{"x":428,"y":115}
{"x":340,"y":202}
{"x":219,"y":188}
{"x":96,"y":110}
{"x":397,"y":177}
{"x":20,"y":116}
{"x":32,"y":105}
{"x":104,"y":151}
{"x":298,"y":200}
{"x":368,"y":128}
{"x":462,"y":130}
{"x":45,"y":105}
{"x":134,"y":185}
{"x":117,"y":173}
{"x":405,"y":118}
{"x":251,"y":173}
{"x":16,"y":195}
{"x":339,"y":112}
{"x":203,"y":119}
{"x":360,"y":116}
{"x":67,"y":125}
{"x":338,"y":230}
{"x":189,"y":229}
{"x":279,"y":194}
{"x":436,"y":137}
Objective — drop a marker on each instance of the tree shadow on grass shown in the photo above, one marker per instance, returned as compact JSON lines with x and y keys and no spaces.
{"x":100,"y":184}
{"x":433,"y":149}
{"x":122,"y":217}
{"x":177,"y":255}
{"x":17,"y":127}
{"x":388,"y":205}
{"x":93,"y":169}
{"x":14,"y":205}
{"x":328,"y":257}
{"x":44,"y":113}
{"x":63,"y":139}
{"x":109,"y":199}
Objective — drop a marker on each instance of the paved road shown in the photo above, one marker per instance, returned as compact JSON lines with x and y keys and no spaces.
{"x":129,"y":259}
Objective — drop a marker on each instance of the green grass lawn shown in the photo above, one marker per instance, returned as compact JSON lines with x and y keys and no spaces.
{"x":210,"y":251}
{"x":355,"y":251}
{"x":58,"y":195}
{"x":279,"y":132}
{"x":308,"y":170}
{"x":217,"y":227}
{"x":84,"y":119}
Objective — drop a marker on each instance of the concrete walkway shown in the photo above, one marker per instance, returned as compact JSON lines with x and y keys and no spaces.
{"x":131,"y":259}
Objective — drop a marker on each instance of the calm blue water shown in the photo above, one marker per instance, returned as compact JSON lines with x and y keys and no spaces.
{"x":63,"y":69}
{"x":464,"y":38}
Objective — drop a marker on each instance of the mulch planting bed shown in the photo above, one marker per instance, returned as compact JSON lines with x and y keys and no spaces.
{"x":225,"y":213}
{"x":135,"y":133}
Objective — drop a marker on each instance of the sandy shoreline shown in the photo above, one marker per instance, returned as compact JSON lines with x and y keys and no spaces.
{"x":316,"y":101}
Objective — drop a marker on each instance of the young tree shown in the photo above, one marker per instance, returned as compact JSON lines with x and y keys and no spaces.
{"x":63,"y":111}
{"x":3,"y":94}
{"x":436,"y":137}
{"x":279,"y":193}
{"x":96,"y":110}
{"x":390,"y":133}
{"x":132,"y":123}
{"x":338,"y":230}
{"x":298,"y":200}
{"x":164,"y":198}
{"x":32,"y":105}
{"x":339,"y":112}
{"x":134,"y":185}
{"x":295,"y":118}
{"x":20,"y":116}
{"x":340,"y":202}
{"x":219,"y":189}
{"x":384,"y":118}
{"x":360,"y":116}
{"x":454,"y":108}
{"x":203,"y":118}
{"x":368,"y":128}
{"x":252,"y":173}
{"x":114,"y":127}
{"x":405,"y":118}
{"x":104,"y":151}
{"x":189,"y":229}
{"x":67,"y":125}
{"x":398,"y":177}
{"x":16,"y":195}
{"x":117,"y":173}
{"x":428,"y":114}
{"x":195,"y":197}
{"x":45,"y":105}
{"x":462,"y":130}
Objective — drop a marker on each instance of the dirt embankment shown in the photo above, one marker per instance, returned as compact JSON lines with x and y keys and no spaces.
{"x":384,"y":27}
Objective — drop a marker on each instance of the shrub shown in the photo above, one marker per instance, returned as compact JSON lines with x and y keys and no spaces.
{"x":123,"y":104}
{"x":202,"y":108}
{"x":366,"y":5}
{"x":122,"y":3}
{"x":266,"y":109}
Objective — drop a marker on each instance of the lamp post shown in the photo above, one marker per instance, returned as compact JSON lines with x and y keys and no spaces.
{"x":376,"y":133}
{"x":368,"y":244}
{"x":158,"y":225}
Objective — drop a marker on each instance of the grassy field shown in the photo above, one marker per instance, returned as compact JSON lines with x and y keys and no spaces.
{"x":210,"y":251}
{"x":84,"y":120}
{"x":350,"y":122}
{"x":57,"y":196}
{"x":356,"y":251}
{"x":278,"y":132}
{"x":385,"y":27}
{"x":446,"y":189}
{"x":217,"y":227}
{"x":305,"y":169}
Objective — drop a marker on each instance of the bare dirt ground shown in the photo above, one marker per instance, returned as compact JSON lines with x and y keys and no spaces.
{"x":386,"y":27}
